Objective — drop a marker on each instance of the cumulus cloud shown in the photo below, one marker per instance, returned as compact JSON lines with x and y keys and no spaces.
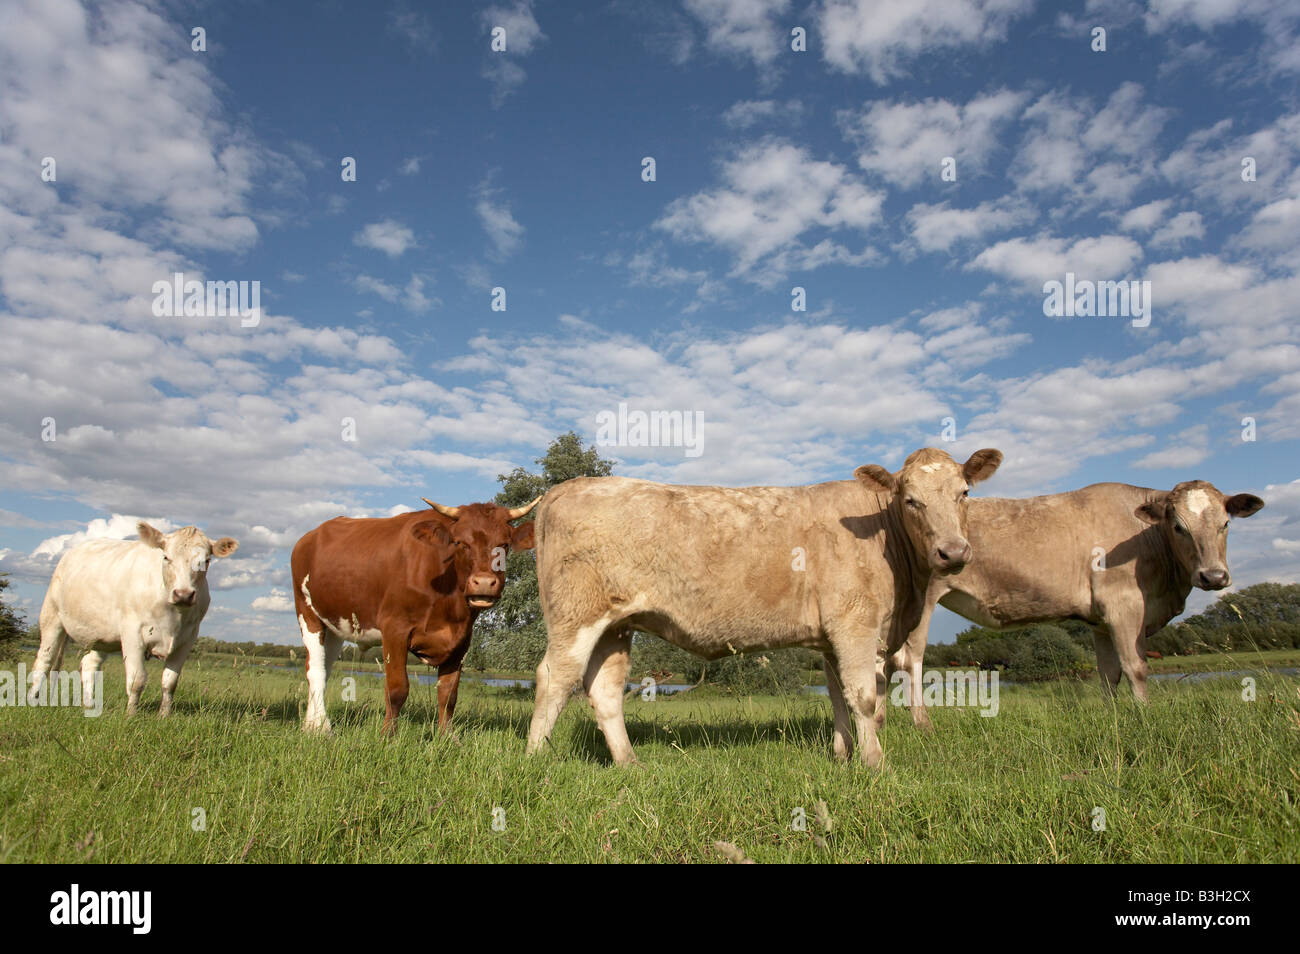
{"x":388,"y":236}
{"x":904,"y":143}
{"x":882,"y":38}
{"x":753,"y":112}
{"x":277,"y":601}
{"x":523,"y":34}
{"x":1033,"y":261}
{"x":772,"y":196}
{"x":504,"y":231}
{"x":745,"y":29}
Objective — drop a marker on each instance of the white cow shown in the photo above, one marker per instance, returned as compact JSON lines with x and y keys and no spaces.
{"x":141,"y":597}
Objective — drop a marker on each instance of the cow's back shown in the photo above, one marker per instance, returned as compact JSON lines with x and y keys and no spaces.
{"x":101,"y":585}
{"x":713,"y":569}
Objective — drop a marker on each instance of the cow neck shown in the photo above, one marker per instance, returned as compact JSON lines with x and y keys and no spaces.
{"x":1177,"y":580}
{"x":918,"y":572}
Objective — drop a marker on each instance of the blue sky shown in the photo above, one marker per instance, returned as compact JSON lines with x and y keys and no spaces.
{"x":522,"y":169}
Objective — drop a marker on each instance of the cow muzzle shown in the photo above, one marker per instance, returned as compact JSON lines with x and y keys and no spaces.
{"x":483,"y":590}
{"x":1212,"y":579}
{"x":951,"y":557}
{"x":184,"y":597}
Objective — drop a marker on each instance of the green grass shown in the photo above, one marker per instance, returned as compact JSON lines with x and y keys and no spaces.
{"x":1198,"y":775}
{"x":1220,"y":662}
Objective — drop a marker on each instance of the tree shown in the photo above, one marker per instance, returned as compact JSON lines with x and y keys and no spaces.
{"x":12,"y":624}
{"x":512,"y":635}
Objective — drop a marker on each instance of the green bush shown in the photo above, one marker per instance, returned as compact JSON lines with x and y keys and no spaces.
{"x":1047,"y":652}
{"x":12,"y":624}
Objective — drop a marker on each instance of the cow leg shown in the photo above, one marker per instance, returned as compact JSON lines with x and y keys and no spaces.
{"x":842,"y":742}
{"x":884,"y":670}
{"x":90,"y":666}
{"x":449,"y":686}
{"x":172,"y":672}
{"x":857,"y":667}
{"x":1108,"y":666}
{"x":397,"y":685}
{"x":1130,"y":643}
{"x":133,"y":660}
{"x":50,"y":653}
{"x":605,"y":681}
{"x":567,"y":655}
{"x":914,"y":664}
{"x":313,"y":641}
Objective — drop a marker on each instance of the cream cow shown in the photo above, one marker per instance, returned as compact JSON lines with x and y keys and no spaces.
{"x":835,"y":566}
{"x":139,"y":597}
{"x":1121,"y":558}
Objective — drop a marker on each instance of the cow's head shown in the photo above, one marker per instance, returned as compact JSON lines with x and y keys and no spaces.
{"x":930,"y":492}
{"x":477,"y":541}
{"x":186,"y":554}
{"x":1194,"y":519}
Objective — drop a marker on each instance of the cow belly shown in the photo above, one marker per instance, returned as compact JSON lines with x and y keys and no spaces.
{"x":714,"y":637}
{"x":353,"y":631}
{"x":1015,"y":607}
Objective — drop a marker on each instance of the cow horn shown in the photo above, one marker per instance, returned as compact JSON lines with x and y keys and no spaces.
{"x":517,"y":512}
{"x":452,"y":512}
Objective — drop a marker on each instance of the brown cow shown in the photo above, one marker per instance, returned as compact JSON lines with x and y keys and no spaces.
{"x":1118,"y":557}
{"x":415,"y":583}
{"x":715,"y":570}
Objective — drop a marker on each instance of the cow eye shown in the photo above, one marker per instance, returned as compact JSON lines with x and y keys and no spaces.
{"x":1224,"y":528}
{"x":166,"y":558}
{"x":913,"y":503}
{"x":1179,"y":528}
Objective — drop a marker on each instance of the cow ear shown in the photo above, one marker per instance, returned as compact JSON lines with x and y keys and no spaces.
{"x":876,"y":479}
{"x":521,"y":537}
{"x":1153,"y":511}
{"x":434,"y":534}
{"x":225,"y":546}
{"x":151,"y":535}
{"x":982,"y":465}
{"x":1242,"y":505}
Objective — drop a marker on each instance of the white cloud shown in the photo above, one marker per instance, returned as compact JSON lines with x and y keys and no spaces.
{"x":1146,"y":217}
{"x":117,"y":527}
{"x":746,"y":29}
{"x":773,"y":194}
{"x":411,"y":296}
{"x":498,"y":222}
{"x":904,"y":143}
{"x":1037,"y":260}
{"x":523,"y":34}
{"x":388,"y":236}
{"x":882,"y":37}
{"x":278,"y":601}
{"x":1099,"y":156}
{"x":1188,"y":449}
{"x":1183,"y":226}
{"x":751,"y":112}
{"x":937,"y":228}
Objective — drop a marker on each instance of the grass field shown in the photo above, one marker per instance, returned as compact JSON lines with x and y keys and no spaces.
{"x":1199,"y":775}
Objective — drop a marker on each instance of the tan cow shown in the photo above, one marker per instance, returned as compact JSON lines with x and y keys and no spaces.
{"x":142,"y":597}
{"x":1120,"y":558}
{"x":831,"y":566}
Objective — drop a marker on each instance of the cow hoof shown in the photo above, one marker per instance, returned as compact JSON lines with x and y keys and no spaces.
{"x":317,"y":728}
